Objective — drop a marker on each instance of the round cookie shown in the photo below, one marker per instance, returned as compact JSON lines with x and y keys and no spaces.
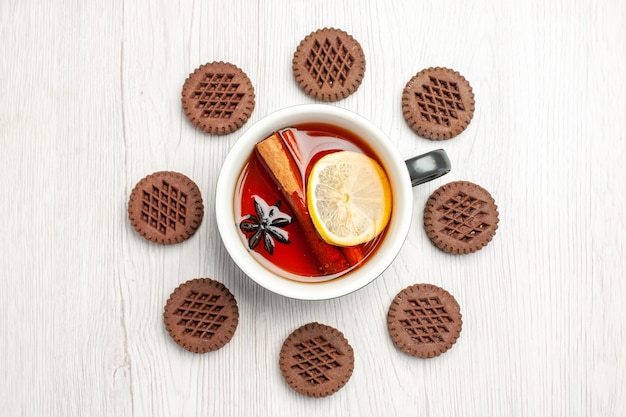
{"x":329,"y":64}
{"x":165,"y":207}
{"x":218,"y":98}
{"x":460,"y":217}
{"x":438,"y":103}
{"x":424,"y":320}
{"x":316,"y":360}
{"x":201,"y":315}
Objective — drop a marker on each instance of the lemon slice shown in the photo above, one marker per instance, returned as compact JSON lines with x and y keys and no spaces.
{"x":349,"y":198}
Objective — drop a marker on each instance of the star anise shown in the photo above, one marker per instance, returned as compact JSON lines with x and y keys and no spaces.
{"x":265,"y":225}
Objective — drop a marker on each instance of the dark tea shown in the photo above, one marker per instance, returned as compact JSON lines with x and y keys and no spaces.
{"x":270,"y":204}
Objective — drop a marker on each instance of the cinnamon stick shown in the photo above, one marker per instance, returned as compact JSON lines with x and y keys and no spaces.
{"x":279,"y":163}
{"x":353,"y":254}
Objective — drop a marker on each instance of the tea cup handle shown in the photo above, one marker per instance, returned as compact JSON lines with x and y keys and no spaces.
{"x":427,"y":167}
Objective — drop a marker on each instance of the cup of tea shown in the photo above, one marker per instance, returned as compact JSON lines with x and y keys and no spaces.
{"x":272,"y":223}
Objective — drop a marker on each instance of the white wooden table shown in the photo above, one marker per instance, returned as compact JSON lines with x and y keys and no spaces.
{"x":90,"y":104}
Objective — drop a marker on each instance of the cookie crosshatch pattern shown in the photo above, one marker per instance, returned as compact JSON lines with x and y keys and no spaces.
{"x":200,"y":314}
{"x":439,"y":101}
{"x":462,"y":217}
{"x":314,"y":359}
{"x":164,"y":207}
{"x":329,"y":62}
{"x":217,"y":95}
{"x":426,"y":320}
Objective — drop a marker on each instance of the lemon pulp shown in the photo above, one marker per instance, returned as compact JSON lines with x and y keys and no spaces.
{"x":349,"y":198}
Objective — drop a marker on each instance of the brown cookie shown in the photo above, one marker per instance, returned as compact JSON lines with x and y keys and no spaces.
{"x":461,"y":217}
{"x":316,"y":360}
{"x":424,"y":320}
{"x":218,"y":98}
{"x":201,"y":315}
{"x":329,"y":64}
{"x":438,"y":103}
{"x":166,"y":207}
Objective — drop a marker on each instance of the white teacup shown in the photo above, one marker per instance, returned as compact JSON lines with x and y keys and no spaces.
{"x":402,"y":175}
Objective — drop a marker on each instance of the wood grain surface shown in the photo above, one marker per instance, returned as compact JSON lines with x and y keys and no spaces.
{"x":90,"y":104}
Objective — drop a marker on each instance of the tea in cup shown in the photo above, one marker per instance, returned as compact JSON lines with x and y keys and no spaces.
{"x":314,"y":202}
